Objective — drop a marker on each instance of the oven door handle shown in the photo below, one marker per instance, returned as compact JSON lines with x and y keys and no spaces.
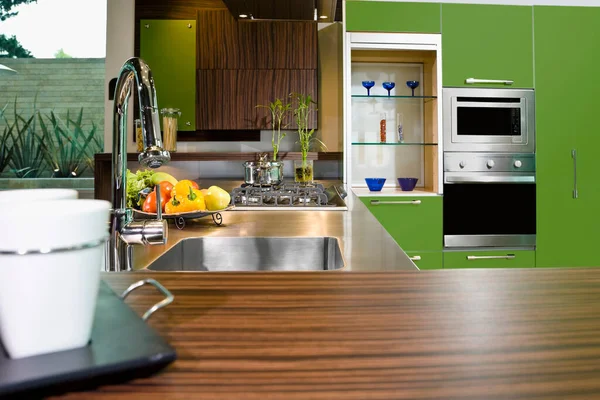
{"x":506,"y":257}
{"x":471,"y":81}
{"x":489,"y":179}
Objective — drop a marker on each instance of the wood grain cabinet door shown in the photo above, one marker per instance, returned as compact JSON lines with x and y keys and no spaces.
{"x":243,"y":64}
{"x":227,"y":99}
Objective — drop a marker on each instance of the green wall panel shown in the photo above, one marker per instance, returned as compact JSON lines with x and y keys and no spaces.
{"x":169,"y":48}
{"x":487,"y":42}
{"x":379,"y":16}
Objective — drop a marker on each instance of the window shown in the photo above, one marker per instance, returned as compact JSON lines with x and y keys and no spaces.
{"x":52,"y":106}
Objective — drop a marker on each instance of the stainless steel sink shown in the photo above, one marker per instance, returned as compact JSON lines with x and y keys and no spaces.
{"x":247,"y":254}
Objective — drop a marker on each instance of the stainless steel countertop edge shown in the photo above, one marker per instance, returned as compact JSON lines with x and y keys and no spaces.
{"x":365,"y":244}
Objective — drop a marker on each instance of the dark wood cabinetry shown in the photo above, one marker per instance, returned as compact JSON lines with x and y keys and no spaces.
{"x":225,"y":43}
{"x":243,"y":64}
{"x":227,"y":99}
{"x":239,"y":64}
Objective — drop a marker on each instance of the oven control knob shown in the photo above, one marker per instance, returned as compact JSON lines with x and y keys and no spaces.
{"x":462,"y":164}
{"x":490,"y":164}
{"x":518,"y":164}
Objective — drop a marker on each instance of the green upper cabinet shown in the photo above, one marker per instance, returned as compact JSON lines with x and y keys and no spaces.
{"x":381,"y":16}
{"x":490,"y":42}
{"x":169,"y":48}
{"x":567,"y":55}
{"x":414,"y":223}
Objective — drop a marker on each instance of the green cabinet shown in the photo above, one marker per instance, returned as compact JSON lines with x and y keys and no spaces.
{"x":489,"y":259}
{"x":415,"y":223}
{"x":169,"y":48}
{"x":426,"y":259}
{"x":491,"y":42}
{"x":385,"y":16}
{"x":567,"y":55}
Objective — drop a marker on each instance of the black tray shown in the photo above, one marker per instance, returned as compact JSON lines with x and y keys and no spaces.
{"x":122,"y":347}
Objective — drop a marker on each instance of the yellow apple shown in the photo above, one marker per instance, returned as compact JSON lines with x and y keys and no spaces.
{"x":216,"y":198}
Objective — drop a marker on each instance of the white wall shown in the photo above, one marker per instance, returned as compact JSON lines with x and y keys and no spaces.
{"x":587,"y":3}
{"x":120,"y":29}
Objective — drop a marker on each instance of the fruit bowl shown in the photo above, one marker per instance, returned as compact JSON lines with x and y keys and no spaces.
{"x":180,"y":218}
{"x":375,"y":184}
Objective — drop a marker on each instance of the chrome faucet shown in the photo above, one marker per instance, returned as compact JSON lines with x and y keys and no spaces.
{"x":124,"y":231}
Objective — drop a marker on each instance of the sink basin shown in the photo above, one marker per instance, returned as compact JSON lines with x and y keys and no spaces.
{"x":246,"y":254}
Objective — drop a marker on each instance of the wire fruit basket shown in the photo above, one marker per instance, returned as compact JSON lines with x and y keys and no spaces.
{"x":181,"y":218}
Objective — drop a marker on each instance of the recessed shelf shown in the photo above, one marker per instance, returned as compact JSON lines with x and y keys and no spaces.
{"x":364,"y":96}
{"x":392,"y":144}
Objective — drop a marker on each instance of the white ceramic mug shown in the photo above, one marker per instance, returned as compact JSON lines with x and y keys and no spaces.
{"x":50,"y":261}
{"x":27,"y":195}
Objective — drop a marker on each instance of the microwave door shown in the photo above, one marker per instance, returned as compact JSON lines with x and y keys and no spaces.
{"x":495,"y":123}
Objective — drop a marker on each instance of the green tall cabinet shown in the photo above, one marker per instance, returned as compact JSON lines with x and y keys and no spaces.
{"x":490,"y":42}
{"x":567,"y":60}
{"x":169,"y":48}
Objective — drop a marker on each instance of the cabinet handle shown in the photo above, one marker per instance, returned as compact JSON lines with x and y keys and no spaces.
{"x":415,"y":258}
{"x":410,"y":202}
{"x":472,"y":81}
{"x":574,"y":156}
{"x":506,"y":257}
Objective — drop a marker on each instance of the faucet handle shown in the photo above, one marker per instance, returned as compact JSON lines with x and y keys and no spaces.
{"x":158,"y":204}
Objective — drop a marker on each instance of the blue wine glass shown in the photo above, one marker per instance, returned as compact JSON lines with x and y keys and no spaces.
{"x":368,"y":85}
{"x":413,"y":85}
{"x":389,"y":86}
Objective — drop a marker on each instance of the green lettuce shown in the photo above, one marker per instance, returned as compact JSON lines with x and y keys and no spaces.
{"x":136,"y":182}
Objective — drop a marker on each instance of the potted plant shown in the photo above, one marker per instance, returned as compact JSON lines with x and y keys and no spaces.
{"x":303,"y":169}
{"x":278,"y":112}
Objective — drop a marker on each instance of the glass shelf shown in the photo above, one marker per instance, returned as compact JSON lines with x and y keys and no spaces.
{"x":392,"y":144}
{"x":382,"y":96}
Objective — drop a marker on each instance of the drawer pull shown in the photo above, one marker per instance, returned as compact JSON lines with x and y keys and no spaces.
{"x":415,"y":258}
{"x":410,"y":202}
{"x":471,"y":81}
{"x":574,"y":156}
{"x":506,"y":257}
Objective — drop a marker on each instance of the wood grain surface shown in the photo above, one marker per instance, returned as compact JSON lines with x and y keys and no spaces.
{"x":471,"y":334}
{"x":273,"y":9}
{"x":227,"y":99}
{"x":227,"y":43}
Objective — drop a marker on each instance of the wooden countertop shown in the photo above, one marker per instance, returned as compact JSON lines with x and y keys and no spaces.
{"x":460,"y":334}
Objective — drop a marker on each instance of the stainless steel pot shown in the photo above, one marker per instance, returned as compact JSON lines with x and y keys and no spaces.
{"x":263,"y":172}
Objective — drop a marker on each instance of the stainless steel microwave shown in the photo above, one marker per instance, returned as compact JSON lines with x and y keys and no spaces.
{"x":490,"y":120}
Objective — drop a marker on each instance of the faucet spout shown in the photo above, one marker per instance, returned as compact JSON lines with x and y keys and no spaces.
{"x":136,"y":74}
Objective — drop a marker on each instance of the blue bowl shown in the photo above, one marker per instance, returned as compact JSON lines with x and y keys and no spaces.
{"x":407,"y":184}
{"x":375,"y":184}
{"x":412,"y":84}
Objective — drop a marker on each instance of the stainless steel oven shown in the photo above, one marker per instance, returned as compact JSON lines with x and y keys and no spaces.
{"x":489,"y":120}
{"x":489,"y":200}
